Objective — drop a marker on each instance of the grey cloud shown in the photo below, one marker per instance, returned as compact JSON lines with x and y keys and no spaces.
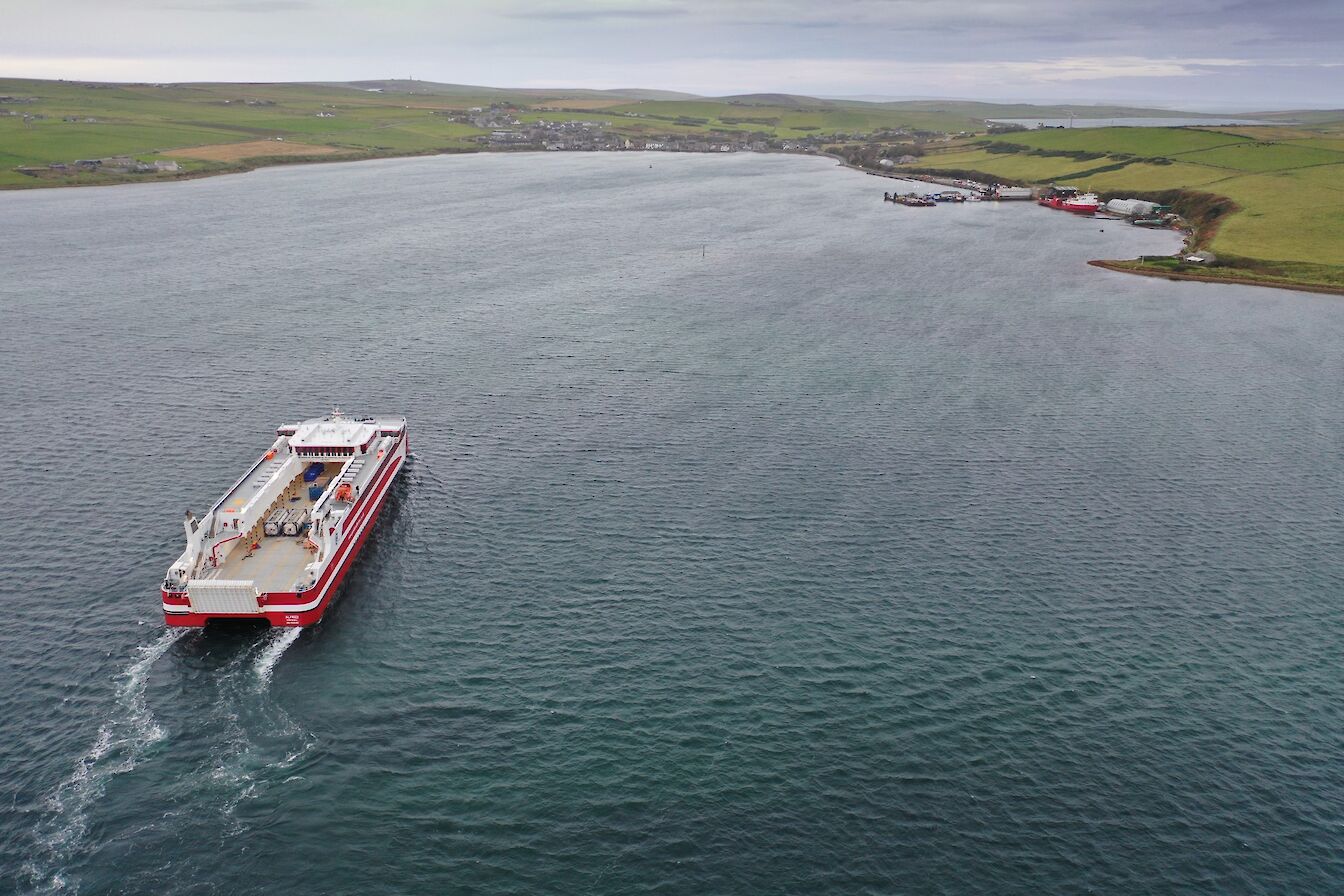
{"x":704,"y":46}
{"x":598,"y":15}
{"x":241,"y":6}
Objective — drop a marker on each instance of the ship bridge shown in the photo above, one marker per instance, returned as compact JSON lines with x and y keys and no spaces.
{"x":333,"y":437}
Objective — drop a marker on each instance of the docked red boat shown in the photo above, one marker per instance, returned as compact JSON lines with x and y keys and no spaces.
{"x":1070,"y":200}
{"x":279,"y":543}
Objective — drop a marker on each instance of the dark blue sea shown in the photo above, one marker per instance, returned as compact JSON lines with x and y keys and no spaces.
{"x":760,"y":537}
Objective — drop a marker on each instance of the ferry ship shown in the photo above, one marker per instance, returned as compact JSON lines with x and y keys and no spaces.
{"x":279,"y":543}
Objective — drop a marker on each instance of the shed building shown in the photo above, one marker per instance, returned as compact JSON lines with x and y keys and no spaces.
{"x":1132,"y":207}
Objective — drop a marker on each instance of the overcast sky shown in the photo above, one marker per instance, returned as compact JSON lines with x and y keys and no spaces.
{"x":1247,"y":54}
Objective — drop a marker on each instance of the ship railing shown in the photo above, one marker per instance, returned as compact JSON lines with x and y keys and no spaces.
{"x":241,"y":479}
{"x":214,"y":560}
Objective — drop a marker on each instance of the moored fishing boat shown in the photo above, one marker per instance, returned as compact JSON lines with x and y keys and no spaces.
{"x":279,"y":543}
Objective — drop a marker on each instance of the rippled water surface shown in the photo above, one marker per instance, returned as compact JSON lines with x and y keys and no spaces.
{"x":760,"y":537}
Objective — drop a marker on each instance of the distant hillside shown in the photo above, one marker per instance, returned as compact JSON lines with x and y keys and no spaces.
{"x":636,"y":93}
{"x":771,"y":99}
{"x":1026,"y":110}
{"x":434,"y":88}
{"x":954,"y":114}
{"x":791,"y":115}
{"x":1304,"y":116}
{"x":46,"y":127}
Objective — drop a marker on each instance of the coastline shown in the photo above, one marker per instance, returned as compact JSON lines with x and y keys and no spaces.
{"x":255,"y":163}
{"x":1201,"y":215}
{"x":1131,"y":267}
{"x":243,"y":166}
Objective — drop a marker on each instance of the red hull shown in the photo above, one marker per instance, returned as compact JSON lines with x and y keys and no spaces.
{"x":1067,"y":206}
{"x":315,"y":600}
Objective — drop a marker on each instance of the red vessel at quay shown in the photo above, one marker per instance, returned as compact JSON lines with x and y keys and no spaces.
{"x":1070,"y":200}
{"x":278,"y":544}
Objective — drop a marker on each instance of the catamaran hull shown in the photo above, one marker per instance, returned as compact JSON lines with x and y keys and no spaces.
{"x":303,"y":608}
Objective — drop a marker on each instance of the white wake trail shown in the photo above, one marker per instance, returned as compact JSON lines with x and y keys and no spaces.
{"x":121,"y":742}
{"x":270,"y":655}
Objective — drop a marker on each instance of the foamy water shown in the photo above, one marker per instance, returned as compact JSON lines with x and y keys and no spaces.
{"x":280,"y":641}
{"x":123,"y":740}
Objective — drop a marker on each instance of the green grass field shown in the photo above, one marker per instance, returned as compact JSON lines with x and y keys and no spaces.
{"x":1145,"y":177}
{"x":1264,"y":156}
{"x":1291,"y":215}
{"x":1136,"y":141}
{"x":145,"y":121}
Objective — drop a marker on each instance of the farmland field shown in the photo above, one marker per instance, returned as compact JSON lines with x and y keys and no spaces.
{"x":1035,"y":169}
{"x":1265,"y":156}
{"x":1146,"y":177}
{"x":58,"y":141}
{"x":1135,"y":141}
{"x":1289,"y":215}
{"x":50,"y":122}
{"x":236,"y":152}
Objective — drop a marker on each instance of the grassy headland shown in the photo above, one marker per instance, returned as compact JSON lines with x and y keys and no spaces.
{"x":1268,"y":200}
{"x":1269,"y":203}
